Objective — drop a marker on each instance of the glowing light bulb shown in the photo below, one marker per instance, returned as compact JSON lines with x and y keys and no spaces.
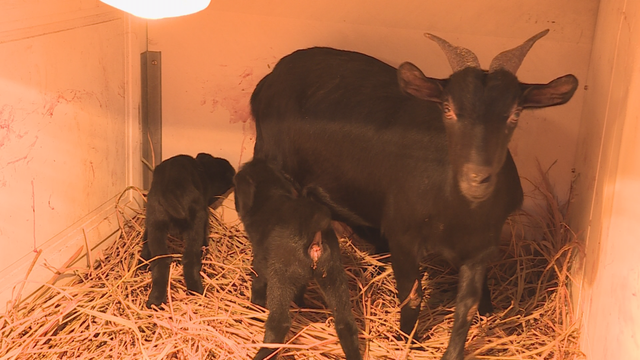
{"x":158,"y":9}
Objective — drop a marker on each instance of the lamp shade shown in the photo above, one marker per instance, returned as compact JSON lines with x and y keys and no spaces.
{"x":158,"y":9}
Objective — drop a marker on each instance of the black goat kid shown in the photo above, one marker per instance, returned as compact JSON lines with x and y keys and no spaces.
{"x":181,"y":192}
{"x":293,"y":242}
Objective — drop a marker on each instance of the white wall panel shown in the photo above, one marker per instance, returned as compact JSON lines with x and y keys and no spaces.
{"x":606,"y":209}
{"x":65,"y":140}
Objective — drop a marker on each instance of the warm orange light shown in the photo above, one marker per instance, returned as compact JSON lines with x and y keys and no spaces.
{"x":158,"y":9}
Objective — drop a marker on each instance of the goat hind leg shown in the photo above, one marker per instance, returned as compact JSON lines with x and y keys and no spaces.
{"x":145,"y":254}
{"x":157,"y":247}
{"x":280,"y":293}
{"x":333,"y":283}
{"x":192,"y":256}
{"x":259,"y":278}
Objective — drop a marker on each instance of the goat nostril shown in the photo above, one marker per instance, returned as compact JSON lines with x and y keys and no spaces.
{"x":485,"y":180}
{"x":480,"y":179}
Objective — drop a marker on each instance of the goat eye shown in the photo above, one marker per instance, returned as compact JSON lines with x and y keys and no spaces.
{"x":447,"y":111}
{"x":513,"y":119}
{"x":516,"y":114}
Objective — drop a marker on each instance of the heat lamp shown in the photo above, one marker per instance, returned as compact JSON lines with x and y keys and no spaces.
{"x":158,"y":9}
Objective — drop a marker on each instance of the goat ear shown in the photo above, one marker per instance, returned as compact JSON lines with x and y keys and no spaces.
{"x":557,"y":92}
{"x":244,"y":190}
{"x":412,"y":81}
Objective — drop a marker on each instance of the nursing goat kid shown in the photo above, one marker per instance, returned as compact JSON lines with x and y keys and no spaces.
{"x":293,"y":242}
{"x":422,"y":161}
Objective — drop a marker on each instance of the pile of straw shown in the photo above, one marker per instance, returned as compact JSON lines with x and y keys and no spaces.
{"x":101,"y":314}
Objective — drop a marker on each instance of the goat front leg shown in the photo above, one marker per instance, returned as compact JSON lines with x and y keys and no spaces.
{"x":470,"y":288}
{"x":485,"y":308}
{"x":406,"y":269}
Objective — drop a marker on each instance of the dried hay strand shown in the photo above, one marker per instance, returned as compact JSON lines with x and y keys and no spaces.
{"x":101,"y":314}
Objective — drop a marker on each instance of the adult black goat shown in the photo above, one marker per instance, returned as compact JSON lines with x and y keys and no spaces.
{"x":426,"y":161}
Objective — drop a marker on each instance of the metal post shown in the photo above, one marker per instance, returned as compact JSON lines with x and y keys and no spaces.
{"x":151,"y":114}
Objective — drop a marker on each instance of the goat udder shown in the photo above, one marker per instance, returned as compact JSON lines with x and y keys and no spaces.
{"x":315,"y":249}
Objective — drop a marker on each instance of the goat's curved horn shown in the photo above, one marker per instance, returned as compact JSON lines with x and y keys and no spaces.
{"x":511,"y":59}
{"x":459,"y":57}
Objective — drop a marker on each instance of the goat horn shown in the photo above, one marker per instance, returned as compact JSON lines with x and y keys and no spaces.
{"x":511,"y":59}
{"x":459,"y":57}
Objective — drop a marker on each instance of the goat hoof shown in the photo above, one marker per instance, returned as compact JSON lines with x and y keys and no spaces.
{"x":156,"y":302}
{"x":300,"y":303}
{"x":264,"y":353}
{"x":485,"y":309}
{"x":258,"y":300}
{"x":196,"y":289}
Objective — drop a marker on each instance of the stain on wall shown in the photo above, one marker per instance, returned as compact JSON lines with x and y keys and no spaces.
{"x":62,"y":143}
{"x":230,"y":94}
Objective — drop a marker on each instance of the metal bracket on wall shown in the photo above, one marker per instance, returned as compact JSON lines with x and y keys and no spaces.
{"x":151,"y":114}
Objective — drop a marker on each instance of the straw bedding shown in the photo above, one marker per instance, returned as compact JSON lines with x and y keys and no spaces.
{"x":101,"y":314}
